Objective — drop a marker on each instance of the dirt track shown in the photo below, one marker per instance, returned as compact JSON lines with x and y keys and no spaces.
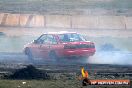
{"x":20,"y":58}
{"x":118,"y":58}
{"x":70,"y":70}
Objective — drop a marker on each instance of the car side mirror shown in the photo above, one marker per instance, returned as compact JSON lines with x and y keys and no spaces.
{"x":35,"y":41}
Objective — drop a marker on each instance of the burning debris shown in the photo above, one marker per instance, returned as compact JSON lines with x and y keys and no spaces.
{"x":85,"y":78}
{"x":86,"y":81}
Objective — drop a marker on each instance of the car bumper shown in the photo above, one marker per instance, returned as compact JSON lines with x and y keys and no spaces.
{"x":78,"y":52}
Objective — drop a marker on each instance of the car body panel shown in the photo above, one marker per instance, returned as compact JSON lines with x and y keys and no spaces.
{"x":61,"y":48}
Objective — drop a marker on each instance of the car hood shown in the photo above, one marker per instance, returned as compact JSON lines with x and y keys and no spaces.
{"x":28,"y":44}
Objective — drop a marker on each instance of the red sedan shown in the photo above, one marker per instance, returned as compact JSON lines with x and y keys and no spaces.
{"x":62,"y":44}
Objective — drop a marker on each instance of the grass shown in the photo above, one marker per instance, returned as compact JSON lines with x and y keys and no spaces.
{"x":40,"y":84}
{"x":48,"y":84}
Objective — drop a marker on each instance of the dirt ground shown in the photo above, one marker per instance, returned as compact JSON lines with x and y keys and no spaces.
{"x":67,"y":76}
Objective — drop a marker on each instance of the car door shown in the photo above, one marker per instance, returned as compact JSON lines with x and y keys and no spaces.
{"x":37,"y":45}
{"x":49,"y":44}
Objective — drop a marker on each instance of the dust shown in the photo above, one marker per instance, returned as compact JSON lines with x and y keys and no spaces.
{"x":111,"y":57}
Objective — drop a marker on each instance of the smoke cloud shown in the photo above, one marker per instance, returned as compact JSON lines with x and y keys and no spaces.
{"x":109,"y":57}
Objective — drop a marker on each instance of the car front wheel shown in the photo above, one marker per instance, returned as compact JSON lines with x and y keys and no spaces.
{"x":29,"y":54}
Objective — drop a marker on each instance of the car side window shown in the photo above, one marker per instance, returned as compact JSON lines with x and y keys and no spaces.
{"x":64,"y":37}
{"x":42,"y":39}
{"x":50,"y":40}
{"x":54,"y":41}
{"x":47,"y":39}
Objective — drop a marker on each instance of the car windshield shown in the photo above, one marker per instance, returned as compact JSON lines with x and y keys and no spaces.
{"x":73,"y":37}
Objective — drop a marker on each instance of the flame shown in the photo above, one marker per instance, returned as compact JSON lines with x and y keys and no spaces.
{"x":84,"y":73}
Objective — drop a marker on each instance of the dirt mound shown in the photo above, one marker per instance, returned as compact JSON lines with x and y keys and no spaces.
{"x":30,"y":72}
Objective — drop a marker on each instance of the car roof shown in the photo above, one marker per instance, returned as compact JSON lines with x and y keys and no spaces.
{"x":61,"y":32}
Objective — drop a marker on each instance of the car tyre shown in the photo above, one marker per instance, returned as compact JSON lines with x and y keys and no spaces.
{"x":30,"y":55}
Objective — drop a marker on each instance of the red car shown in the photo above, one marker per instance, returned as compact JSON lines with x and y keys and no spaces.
{"x":61,"y":44}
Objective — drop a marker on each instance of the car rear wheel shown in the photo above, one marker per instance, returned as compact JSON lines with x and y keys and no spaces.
{"x":30,"y":55}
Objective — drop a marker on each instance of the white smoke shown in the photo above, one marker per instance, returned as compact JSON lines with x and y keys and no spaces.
{"x":117,"y":57}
